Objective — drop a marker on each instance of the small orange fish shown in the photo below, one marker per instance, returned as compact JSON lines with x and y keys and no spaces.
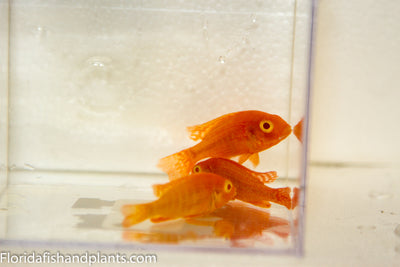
{"x":298,"y":130}
{"x":189,"y":196}
{"x":248,"y":184}
{"x":240,"y":222}
{"x":243,"y":224}
{"x":244,"y":134}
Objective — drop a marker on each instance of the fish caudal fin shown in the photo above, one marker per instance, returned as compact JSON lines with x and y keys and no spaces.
{"x":135,"y":214}
{"x":177,"y":165}
{"x":282,"y":197}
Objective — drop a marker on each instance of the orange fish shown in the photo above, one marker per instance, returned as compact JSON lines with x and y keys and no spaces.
{"x":243,"y":224}
{"x":190,"y":196}
{"x":240,"y":222}
{"x":248,"y":184}
{"x":244,"y":134}
{"x":298,"y":130}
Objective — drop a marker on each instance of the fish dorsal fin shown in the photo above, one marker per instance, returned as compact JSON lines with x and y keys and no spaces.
{"x":265,"y":177}
{"x":198,"y":132}
{"x":254,"y":158}
{"x":160,"y":189}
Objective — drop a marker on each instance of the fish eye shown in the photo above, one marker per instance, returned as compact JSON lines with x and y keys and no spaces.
{"x":228,"y":186}
{"x":266,"y":126}
{"x":196,"y":169}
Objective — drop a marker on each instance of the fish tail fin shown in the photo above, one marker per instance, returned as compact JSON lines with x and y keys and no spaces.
{"x":266,"y":177}
{"x":282,"y":196}
{"x":177,"y":165}
{"x":135,"y":214}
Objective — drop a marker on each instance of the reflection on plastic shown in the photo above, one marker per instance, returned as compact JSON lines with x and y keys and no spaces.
{"x":295,"y":198}
{"x":238,"y":222}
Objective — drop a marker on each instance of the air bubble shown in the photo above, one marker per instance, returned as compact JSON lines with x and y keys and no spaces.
{"x":40,"y":31}
{"x":221,"y":60}
{"x":101,"y":86}
{"x":379,"y":195}
{"x":366,"y":227}
{"x":99,"y":61}
{"x":98,"y":64}
{"x":12,"y":167}
{"x":28,"y":166}
{"x":397,"y":230}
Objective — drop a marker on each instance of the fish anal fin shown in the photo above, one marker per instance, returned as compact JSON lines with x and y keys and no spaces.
{"x":265,"y":177}
{"x":135,"y":214}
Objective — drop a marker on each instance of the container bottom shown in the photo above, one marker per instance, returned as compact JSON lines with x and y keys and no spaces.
{"x":82,"y":213}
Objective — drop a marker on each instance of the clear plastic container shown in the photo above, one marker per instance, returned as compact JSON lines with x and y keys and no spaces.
{"x":94,"y":93}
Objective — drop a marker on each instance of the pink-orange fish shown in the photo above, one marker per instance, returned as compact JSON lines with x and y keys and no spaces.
{"x":244,"y":134}
{"x":189,"y":196}
{"x":248,"y":184}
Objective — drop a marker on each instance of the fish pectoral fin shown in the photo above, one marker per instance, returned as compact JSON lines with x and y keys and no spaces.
{"x":255,"y":159}
{"x":159,"y":219}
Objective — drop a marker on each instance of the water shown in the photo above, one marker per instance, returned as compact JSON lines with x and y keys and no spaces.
{"x":98,"y":94}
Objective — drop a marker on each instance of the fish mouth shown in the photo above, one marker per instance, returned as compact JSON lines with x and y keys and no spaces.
{"x":285,"y":133}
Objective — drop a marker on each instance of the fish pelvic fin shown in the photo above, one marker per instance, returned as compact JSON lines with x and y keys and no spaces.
{"x":135,"y":214}
{"x":255,"y":159}
{"x":177,"y":165}
{"x":265,"y":177}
